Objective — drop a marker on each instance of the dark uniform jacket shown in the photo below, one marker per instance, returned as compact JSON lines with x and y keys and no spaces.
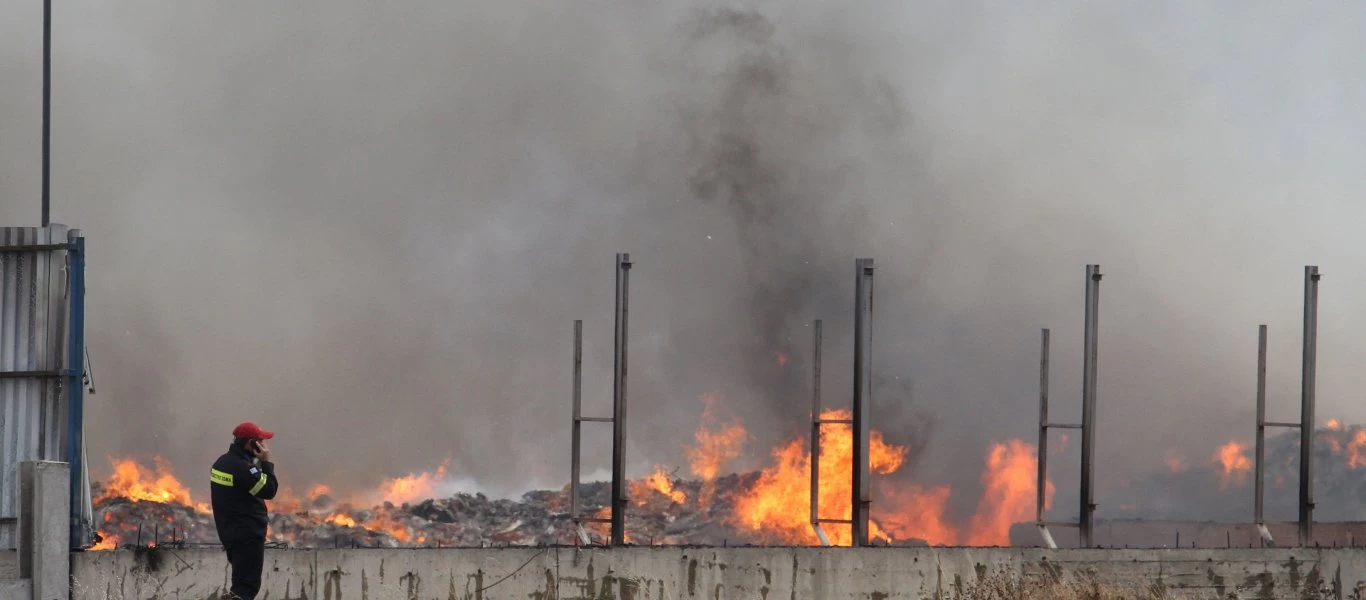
{"x":240,"y":488}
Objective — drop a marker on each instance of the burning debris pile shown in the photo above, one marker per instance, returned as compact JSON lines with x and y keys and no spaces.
{"x":139,"y":505}
{"x":539,"y":518}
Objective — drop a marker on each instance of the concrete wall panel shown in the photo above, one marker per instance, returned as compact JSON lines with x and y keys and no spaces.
{"x":676,"y":573}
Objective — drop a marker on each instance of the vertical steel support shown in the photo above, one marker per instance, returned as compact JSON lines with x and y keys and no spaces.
{"x":863,"y":379}
{"x":1307,"y":423}
{"x":619,"y":371}
{"x":1042,"y":483}
{"x":816,"y":422}
{"x":1088,"y":407}
{"x":576,"y":435}
{"x":816,"y":425}
{"x":47,"y":112}
{"x":1259,"y":485}
{"x":1259,"y":479}
{"x":75,"y":364}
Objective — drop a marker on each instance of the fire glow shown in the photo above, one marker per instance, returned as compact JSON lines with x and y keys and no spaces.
{"x":773,"y":508}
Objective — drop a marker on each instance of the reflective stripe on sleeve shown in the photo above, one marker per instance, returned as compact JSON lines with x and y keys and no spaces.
{"x":260,"y":483}
{"x":220,"y":477}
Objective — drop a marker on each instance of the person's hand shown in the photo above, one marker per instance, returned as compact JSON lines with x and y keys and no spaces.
{"x":261,"y":451}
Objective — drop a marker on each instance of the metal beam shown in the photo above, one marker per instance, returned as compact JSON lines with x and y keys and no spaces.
{"x":863,"y":380}
{"x":1307,"y":423}
{"x":74,"y":389}
{"x":576,"y":434}
{"x":816,"y":434}
{"x":1042,"y":483}
{"x":1088,"y":407}
{"x":32,"y":374}
{"x":620,"y":491}
{"x":1259,"y":478}
{"x":47,"y":111}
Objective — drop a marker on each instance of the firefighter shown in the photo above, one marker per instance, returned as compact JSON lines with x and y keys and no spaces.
{"x":242,"y":479}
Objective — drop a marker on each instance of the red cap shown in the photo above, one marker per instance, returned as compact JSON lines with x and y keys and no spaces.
{"x":249,"y":430}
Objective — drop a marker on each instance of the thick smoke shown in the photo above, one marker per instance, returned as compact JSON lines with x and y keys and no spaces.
{"x":371,"y":227}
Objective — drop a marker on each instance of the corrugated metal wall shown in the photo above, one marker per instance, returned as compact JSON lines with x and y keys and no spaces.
{"x":33,"y":327}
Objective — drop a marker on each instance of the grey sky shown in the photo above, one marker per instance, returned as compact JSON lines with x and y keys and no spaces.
{"x":371,"y":226}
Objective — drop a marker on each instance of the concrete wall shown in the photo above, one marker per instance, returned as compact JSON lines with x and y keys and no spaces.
{"x":1165,"y":534}
{"x":719,"y":573}
{"x":44,"y":528}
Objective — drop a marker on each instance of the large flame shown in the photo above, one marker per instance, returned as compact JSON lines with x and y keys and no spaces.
{"x":779,"y":505}
{"x":412,"y":487}
{"x":1233,"y":458}
{"x":133,"y":481}
{"x":1010,"y":484}
{"x":717,"y":444}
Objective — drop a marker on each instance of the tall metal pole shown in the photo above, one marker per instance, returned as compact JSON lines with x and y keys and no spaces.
{"x":1088,"y":407}
{"x":47,"y":107}
{"x":1259,"y":476}
{"x":619,"y":487}
{"x":816,"y":425}
{"x":1043,"y":431}
{"x":74,"y":391}
{"x":1307,"y":423}
{"x":576,"y":438}
{"x":863,"y":379}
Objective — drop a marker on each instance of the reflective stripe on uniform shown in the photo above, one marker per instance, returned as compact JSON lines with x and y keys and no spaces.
{"x":220,"y":478}
{"x":260,"y":483}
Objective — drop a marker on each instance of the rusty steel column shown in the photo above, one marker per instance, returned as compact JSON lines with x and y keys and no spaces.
{"x":1307,"y":424}
{"x":620,"y":495}
{"x":1088,"y":406}
{"x":863,"y":381}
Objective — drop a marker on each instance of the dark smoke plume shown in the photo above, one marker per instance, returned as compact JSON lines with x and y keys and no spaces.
{"x":371,"y":227}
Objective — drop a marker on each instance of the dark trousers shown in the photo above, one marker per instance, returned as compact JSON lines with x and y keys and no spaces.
{"x":246,"y":556}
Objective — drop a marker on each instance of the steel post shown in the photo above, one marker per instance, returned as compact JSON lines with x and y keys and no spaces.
{"x":619,"y":371}
{"x":1042,"y":483}
{"x":816,"y":424}
{"x":863,"y":379}
{"x":576,"y":435}
{"x":47,"y":113}
{"x":1307,"y":423}
{"x":75,"y":369}
{"x":1259,"y":476}
{"x":1088,"y":407}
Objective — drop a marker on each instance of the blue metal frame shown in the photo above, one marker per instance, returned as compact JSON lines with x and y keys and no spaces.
{"x":74,"y":373}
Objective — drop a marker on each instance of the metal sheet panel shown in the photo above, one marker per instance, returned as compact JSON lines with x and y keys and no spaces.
{"x":33,"y":413}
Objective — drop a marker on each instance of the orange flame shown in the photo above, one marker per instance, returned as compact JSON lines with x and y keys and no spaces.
{"x":657,"y":482}
{"x":130,"y":480}
{"x":135,"y":482}
{"x":1011,"y":481}
{"x":1333,"y":425}
{"x":1235,"y":462}
{"x":716,"y":445}
{"x":779,"y":504}
{"x":916,"y":513}
{"x":1356,"y":449}
{"x":413,"y":486}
